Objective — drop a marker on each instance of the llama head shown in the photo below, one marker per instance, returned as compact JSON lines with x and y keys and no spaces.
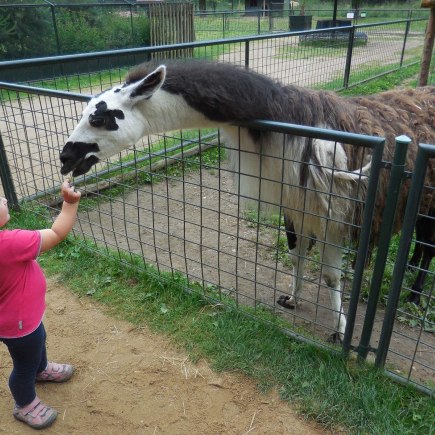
{"x":111,"y":122}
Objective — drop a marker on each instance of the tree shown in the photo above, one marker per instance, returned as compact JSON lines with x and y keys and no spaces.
{"x":26,"y":32}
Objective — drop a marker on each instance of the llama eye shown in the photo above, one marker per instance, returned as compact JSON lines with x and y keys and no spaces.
{"x":97,"y":121}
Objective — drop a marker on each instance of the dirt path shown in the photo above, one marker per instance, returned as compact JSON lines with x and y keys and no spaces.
{"x":132,"y":381}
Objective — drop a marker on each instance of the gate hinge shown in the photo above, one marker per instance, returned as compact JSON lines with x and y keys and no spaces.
{"x":386,"y":165}
{"x":389,"y":165}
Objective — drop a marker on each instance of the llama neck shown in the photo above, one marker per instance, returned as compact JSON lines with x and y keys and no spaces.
{"x":167,"y":112}
{"x":227,"y":94}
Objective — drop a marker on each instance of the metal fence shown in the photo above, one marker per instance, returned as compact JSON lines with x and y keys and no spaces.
{"x":326,"y":61}
{"x":178,"y":213}
{"x":227,"y":24}
{"x":50,"y":28}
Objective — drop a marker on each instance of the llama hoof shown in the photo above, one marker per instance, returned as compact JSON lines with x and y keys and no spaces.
{"x":414,"y":298}
{"x":336,"y":338}
{"x":287,"y":302}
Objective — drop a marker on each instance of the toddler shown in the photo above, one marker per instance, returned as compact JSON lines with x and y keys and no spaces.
{"x":22,"y":306}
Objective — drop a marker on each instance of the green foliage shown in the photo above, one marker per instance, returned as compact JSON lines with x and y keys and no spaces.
{"x":141,"y":31}
{"x":93,"y":29}
{"x":77,"y":34}
{"x":414,"y":316}
{"x":26,"y":32}
{"x":30,"y":32}
{"x":7,"y":28}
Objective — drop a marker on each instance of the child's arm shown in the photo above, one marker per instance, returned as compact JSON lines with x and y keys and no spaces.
{"x":64,"y":222}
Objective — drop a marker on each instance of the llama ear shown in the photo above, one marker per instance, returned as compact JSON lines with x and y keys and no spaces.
{"x":146,"y":87}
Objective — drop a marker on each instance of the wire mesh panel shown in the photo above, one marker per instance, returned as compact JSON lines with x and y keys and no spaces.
{"x":38,"y":127}
{"x":410,"y":340}
{"x":176,"y":204}
{"x":386,"y":48}
{"x":180,"y":211}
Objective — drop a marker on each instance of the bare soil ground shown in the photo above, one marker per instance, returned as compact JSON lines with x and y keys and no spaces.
{"x":132,"y":381}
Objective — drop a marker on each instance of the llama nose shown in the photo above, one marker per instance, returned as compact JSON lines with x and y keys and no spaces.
{"x":73,"y":157}
{"x":66,"y":168}
{"x":67,"y":159}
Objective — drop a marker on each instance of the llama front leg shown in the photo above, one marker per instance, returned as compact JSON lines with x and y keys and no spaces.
{"x":417,"y":288}
{"x":331,"y":273}
{"x":298,"y":256}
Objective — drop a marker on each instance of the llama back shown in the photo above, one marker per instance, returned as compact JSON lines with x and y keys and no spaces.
{"x":391,"y":114}
{"x":295,"y":177}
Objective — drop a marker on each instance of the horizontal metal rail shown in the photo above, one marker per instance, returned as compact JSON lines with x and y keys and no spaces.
{"x":34,"y":90}
{"x":50,"y":60}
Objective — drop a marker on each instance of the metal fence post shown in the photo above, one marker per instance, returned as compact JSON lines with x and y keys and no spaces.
{"x":56,"y":32}
{"x":247,"y":54}
{"x":6,"y":178}
{"x":411,"y":212}
{"x":131,"y":23}
{"x":363,"y":245}
{"x":396,"y":178}
{"x":349,"y":57}
{"x":405,"y":39}
{"x":223,"y":24}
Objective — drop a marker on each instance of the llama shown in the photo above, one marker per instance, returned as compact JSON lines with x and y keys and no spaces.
{"x":197,"y":94}
{"x":424,"y":251}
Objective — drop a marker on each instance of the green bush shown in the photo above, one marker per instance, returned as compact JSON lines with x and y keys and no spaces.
{"x":26,"y":32}
{"x":88,"y":30}
{"x":30,"y":32}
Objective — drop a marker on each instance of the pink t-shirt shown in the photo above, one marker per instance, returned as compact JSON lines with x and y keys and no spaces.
{"x":22,"y":283}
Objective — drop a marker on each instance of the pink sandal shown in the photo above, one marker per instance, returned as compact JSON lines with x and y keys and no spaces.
{"x":55,"y":372}
{"x":36,"y":414}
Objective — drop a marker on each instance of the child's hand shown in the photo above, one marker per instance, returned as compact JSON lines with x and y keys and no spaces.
{"x":68,"y":193}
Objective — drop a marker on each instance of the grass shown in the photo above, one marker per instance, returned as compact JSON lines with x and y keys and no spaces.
{"x":337,"y":393}
{"x":362,"y":82}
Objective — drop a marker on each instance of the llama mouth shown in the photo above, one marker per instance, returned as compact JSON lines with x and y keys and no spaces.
{"x":73,"y":157}
{"x":80,"y":167}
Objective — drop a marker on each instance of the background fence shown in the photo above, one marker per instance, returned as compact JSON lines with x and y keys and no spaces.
{"x":326,"y":61}
{"x":156,"y":206}
{"x":50,"y":28}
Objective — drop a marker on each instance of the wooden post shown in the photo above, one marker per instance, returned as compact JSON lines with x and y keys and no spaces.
{"x":172,"y":23}
{"x":428,"y":42}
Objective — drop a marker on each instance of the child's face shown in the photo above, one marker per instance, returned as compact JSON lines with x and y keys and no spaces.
{"x":4,"y":212}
